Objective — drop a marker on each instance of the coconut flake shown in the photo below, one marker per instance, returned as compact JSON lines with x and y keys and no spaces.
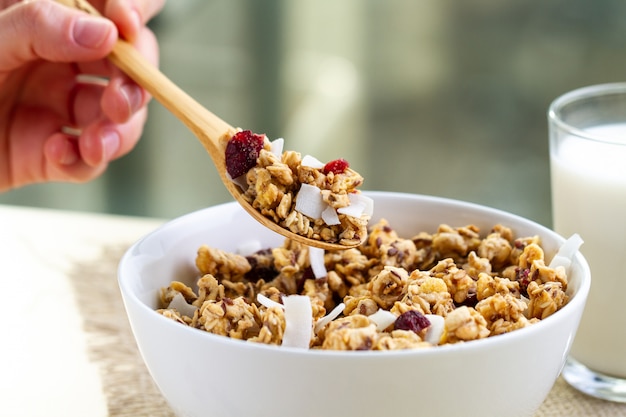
{"x":382,"y":319}
{"x":309,"y":201}
{"x":435,"y":330}
{"x":311,"y":162}
{"x":566,"y":252}
{"x":316,"y":258}
{"x":319,"y":325}
{"x":359,"y":205}
{"x":240,"y":181}
{"x":330,"y":217}
{"x":298,"y":321}
{"x":181,"y":305}
{"x":268,"y":302}
{"x":358,"y":198}
{"x":353,"y":210}
{"x":276,"y":147}
{"x":249,"y":247}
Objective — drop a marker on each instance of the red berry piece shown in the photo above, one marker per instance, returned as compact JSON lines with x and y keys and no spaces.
{"x":523,"y":277}
{"x":242,"y":152}
{"x":412,"y":320}
{"x":338,"y":166}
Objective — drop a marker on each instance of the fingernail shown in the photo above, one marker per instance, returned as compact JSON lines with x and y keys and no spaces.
{"x":91,"y":32}
{"x":110,"y":144}
{"x":133,"y":95}
{"x":68,"y":153}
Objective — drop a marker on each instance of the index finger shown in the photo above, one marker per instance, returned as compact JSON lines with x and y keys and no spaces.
{"x":131,"y":15}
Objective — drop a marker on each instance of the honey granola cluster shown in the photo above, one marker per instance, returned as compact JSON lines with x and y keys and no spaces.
{"x":479,"y":286}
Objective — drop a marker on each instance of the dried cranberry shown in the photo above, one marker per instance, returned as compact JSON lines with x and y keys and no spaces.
{"x":338,"y":166}
{"x":470,"y":300}
{"x":412,"y":320}
{"x":261,"y":266}
{"x":242,"y":152}
{"x":524,"y":278}
{"x":261,"y":273}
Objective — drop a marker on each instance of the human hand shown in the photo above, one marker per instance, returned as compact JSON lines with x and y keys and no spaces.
{"x":57,"y":124}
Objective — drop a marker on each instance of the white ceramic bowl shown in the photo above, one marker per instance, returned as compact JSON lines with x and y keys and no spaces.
{"x":204,"y":375}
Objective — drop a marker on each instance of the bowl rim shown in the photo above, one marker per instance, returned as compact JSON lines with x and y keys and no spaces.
{"x":578,"y":298}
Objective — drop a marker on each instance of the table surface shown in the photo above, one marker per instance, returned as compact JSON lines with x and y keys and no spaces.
{"x":67,"y":349}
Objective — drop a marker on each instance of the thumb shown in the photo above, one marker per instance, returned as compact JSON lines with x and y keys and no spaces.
{"x":47,"y":30}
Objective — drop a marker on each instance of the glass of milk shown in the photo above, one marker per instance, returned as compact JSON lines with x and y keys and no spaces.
{"x":588,"y":173}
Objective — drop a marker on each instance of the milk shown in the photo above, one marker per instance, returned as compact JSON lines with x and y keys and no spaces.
{"x":589,"y":198}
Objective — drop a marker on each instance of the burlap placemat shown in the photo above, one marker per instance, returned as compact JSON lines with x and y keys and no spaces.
{"x":129,"y":389}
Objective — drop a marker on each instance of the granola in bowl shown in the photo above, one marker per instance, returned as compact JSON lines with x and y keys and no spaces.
{"x":453,"y":285}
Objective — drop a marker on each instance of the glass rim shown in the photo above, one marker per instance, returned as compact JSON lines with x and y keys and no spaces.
{"x":579,"y":94}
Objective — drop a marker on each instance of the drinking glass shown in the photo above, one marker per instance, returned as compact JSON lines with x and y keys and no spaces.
{"x":588,"y":176}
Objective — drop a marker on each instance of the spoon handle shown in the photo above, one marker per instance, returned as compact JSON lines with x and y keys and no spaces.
{"x":207,"y":127}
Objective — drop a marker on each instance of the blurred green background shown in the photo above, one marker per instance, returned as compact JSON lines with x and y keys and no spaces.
{"x":436,"y":97}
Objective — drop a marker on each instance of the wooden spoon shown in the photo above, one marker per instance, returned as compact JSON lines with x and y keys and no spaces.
{"x":212,"y":131}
